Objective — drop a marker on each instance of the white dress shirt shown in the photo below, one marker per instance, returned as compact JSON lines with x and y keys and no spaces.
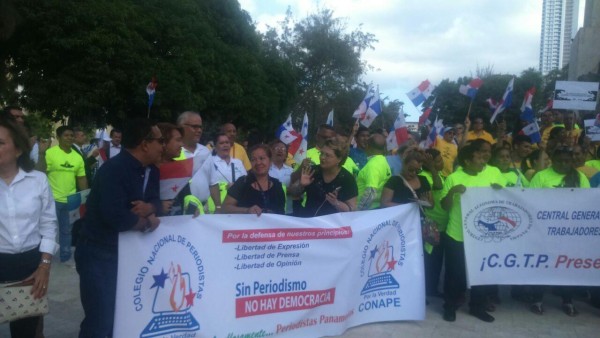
{"x":284,"y":175}
{"x":220,"y":171}
{"x":114,"y":150}
{"x":27,"y":214}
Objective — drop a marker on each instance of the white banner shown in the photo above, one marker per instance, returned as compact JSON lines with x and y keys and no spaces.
{"x":532,"y":236}
{"x":575,"y":95}
{"x":246,"y":276}
{"x":592,"y":128}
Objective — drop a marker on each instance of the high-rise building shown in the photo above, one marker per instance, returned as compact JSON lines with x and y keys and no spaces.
{"x":559,"y":26}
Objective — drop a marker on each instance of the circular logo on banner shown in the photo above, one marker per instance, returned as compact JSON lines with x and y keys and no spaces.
{"x":496,"y":222}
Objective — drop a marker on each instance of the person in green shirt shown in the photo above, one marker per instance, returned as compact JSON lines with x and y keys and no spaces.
{"x":373,"y":176}
{"x":561,"y":174}
{"x":470,"y":174}
{"x":501,"y":159}
{"x":66,"y":172}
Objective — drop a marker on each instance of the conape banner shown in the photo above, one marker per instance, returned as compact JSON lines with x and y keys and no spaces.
{"x":246,"y":276}
{"x":532,"y":236}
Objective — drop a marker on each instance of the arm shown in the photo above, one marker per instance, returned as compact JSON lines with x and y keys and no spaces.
{"x":367,"y":198}
{"x":82,"y":182}
{"x":448,"y":200}
{"x":386,"y":198}
{"x":215,"y":194}
{"x":230,"y":207}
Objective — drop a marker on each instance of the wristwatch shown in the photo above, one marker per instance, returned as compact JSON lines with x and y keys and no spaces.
{"x":45,"y":261}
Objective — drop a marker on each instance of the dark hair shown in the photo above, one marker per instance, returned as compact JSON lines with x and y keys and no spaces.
{"x":166,"y":130}
{"x":61,"y":130}
{"x":413,"y":156}
{"x":339,"y":150}
{"x":277,"y":141}
{"x":477,"y":143}
{"x":555,"y":132}
{"x":518,"y":139}
{"x":466,"y":153}
{"x":136,"y":131}
{"x":21,"y":142}
{"x":6,"y":110}
{"x":571,"y":179}
{"x":361,"y":129}
{"x":264,"y":147}
{"x":115,"y":130}
{"x":217,"y":136}
{"x":326,"y":126}
{"x":433,"y":152}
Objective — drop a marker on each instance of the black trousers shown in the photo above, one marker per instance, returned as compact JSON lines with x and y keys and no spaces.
{"x":433,"y":268}
{"x":455,"y":279}
{"x":16,"y":267}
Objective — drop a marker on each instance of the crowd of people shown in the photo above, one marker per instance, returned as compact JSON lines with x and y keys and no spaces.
{"x":343,"y":172}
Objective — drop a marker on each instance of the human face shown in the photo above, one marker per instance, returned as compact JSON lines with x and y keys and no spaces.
{"x":459,"y":128}
{"x":475,"y":164}
{"x":523,"y":149}
{"x":361,"y":139}
{"x":558,"y":117}
{"x":223,"y":146}
{"x":18,"y":116}
{"x":503,"y":160}
{"x":478,"y":124}
{"x":173,"y":146}
{"x":231,"y":132}
{"x":79,"y":138}
{"x":562,"y":163}
{"x":154,"y":146}
{"x":449,"y":136}
{"x":279,"y":152}
{"x":65,"y":141}
{"x":260,"y":162}
{"x":328,"y":158}
{"x":438,"y":163}
{"x":411,"y":169}
{"x":486,"y":152}
{"x":116,"y":138}
{"x":192,"y":130}
{"x":547,"y":118}
{"x":8,"y":152}
{"x":578,"y":156}
{"x":324,"y":135}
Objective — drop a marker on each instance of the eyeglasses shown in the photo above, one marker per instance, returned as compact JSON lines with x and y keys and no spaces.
{"x":160,"y":140}
{"x":326,"y":155}
{"x":193,"y":126}
{"x":279,"y":148}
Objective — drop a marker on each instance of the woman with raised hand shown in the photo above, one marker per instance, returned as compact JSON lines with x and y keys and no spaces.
{"x":328,"y":186}
{"x":28,"y":223}
{"x":257,"y":192}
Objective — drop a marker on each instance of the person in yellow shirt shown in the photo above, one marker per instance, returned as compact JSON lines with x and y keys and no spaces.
{"x":546,"y":126}
{"x":468,"y":175}
{"x":479,"y":132}
{"x":448,"y":149}
{"x":561,"y":174}
{"x":237,"y":150}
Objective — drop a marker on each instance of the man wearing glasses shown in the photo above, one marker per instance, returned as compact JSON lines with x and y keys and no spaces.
{"x":126,"y":197}
{"x":191,"y":123}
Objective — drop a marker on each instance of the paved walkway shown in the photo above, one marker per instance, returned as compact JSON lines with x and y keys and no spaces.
{"x":513,"y":319}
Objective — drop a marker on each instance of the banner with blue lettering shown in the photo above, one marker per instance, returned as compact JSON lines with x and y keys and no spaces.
{"x":532,"y":236}
{"x":246,"y":276}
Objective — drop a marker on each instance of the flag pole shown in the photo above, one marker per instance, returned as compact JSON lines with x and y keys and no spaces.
{"x":148,"y":112}
{"x":469,"y":111}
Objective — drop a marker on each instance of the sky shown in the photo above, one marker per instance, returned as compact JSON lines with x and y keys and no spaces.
{"x":427,"y":39}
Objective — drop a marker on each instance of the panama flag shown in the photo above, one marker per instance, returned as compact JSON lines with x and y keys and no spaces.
{"x":421,"y":93}
{"x":526,"y":109}
{"x":548,"y":106}
{"x":300,"y":154}
{"x":492,"y":103}
{"x":174,"y":176}
{"x":506,"y":100}
{"x":330,"y":118}
{"x":436,"y":129}
{"x":471,"y":89}
{"x":286,"y":132}
{"x":400,"y":133}
{"x":76,"y":205}
{"x":151,"y":90}
{"x":426,"y":111}
{"x":369,"y":108}
{"x":533,"y":131}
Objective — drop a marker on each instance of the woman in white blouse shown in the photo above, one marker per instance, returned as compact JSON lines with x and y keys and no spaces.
{"x":27,"y":220}
{"x":224,"y":170}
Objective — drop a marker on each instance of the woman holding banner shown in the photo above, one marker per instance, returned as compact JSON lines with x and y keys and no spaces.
{"x":561,"y":174}
{"x":470,"y":174}
{"x":28,"y":223}
{"x":257,"y":192}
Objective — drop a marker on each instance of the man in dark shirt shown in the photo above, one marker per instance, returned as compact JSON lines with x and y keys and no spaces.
{"x":125,"y":198}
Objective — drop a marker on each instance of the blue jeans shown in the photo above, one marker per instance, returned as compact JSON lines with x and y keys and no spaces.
{"x":64,"y":231}
{"x":97,"y":269}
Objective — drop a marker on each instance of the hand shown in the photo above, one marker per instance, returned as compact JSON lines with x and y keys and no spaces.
{"x":43,"y":145}
{"x":307,"y":176}
{"x":154,"y":223}
{"x":331,"y":197}
{"x":40,"y":278}
{"x":94,"y":153}
{"x":142,"y":209}
{"x":458,"y":189}
{"x":166,"y":206}
{"x":255,"y":209}
{"x":196,"y":213}
{"x":306,"y":162}
{"x":496,"y":186}
{"x":467,"y":124}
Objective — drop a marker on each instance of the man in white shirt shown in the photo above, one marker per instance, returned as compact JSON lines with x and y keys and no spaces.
{"x":191,"y":123}
{"x":112,"y":148}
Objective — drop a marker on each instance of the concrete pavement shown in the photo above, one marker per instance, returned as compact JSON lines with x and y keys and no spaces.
{"x":513,"y":318}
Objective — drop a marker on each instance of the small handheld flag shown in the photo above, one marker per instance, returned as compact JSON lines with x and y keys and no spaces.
{"x":369,"y":108}
{"x":506,"y":100}
{"x":151,"y":90}
{"x":421,"y":93}
{"x":471,"y":89}
{"x":526,"y":108}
